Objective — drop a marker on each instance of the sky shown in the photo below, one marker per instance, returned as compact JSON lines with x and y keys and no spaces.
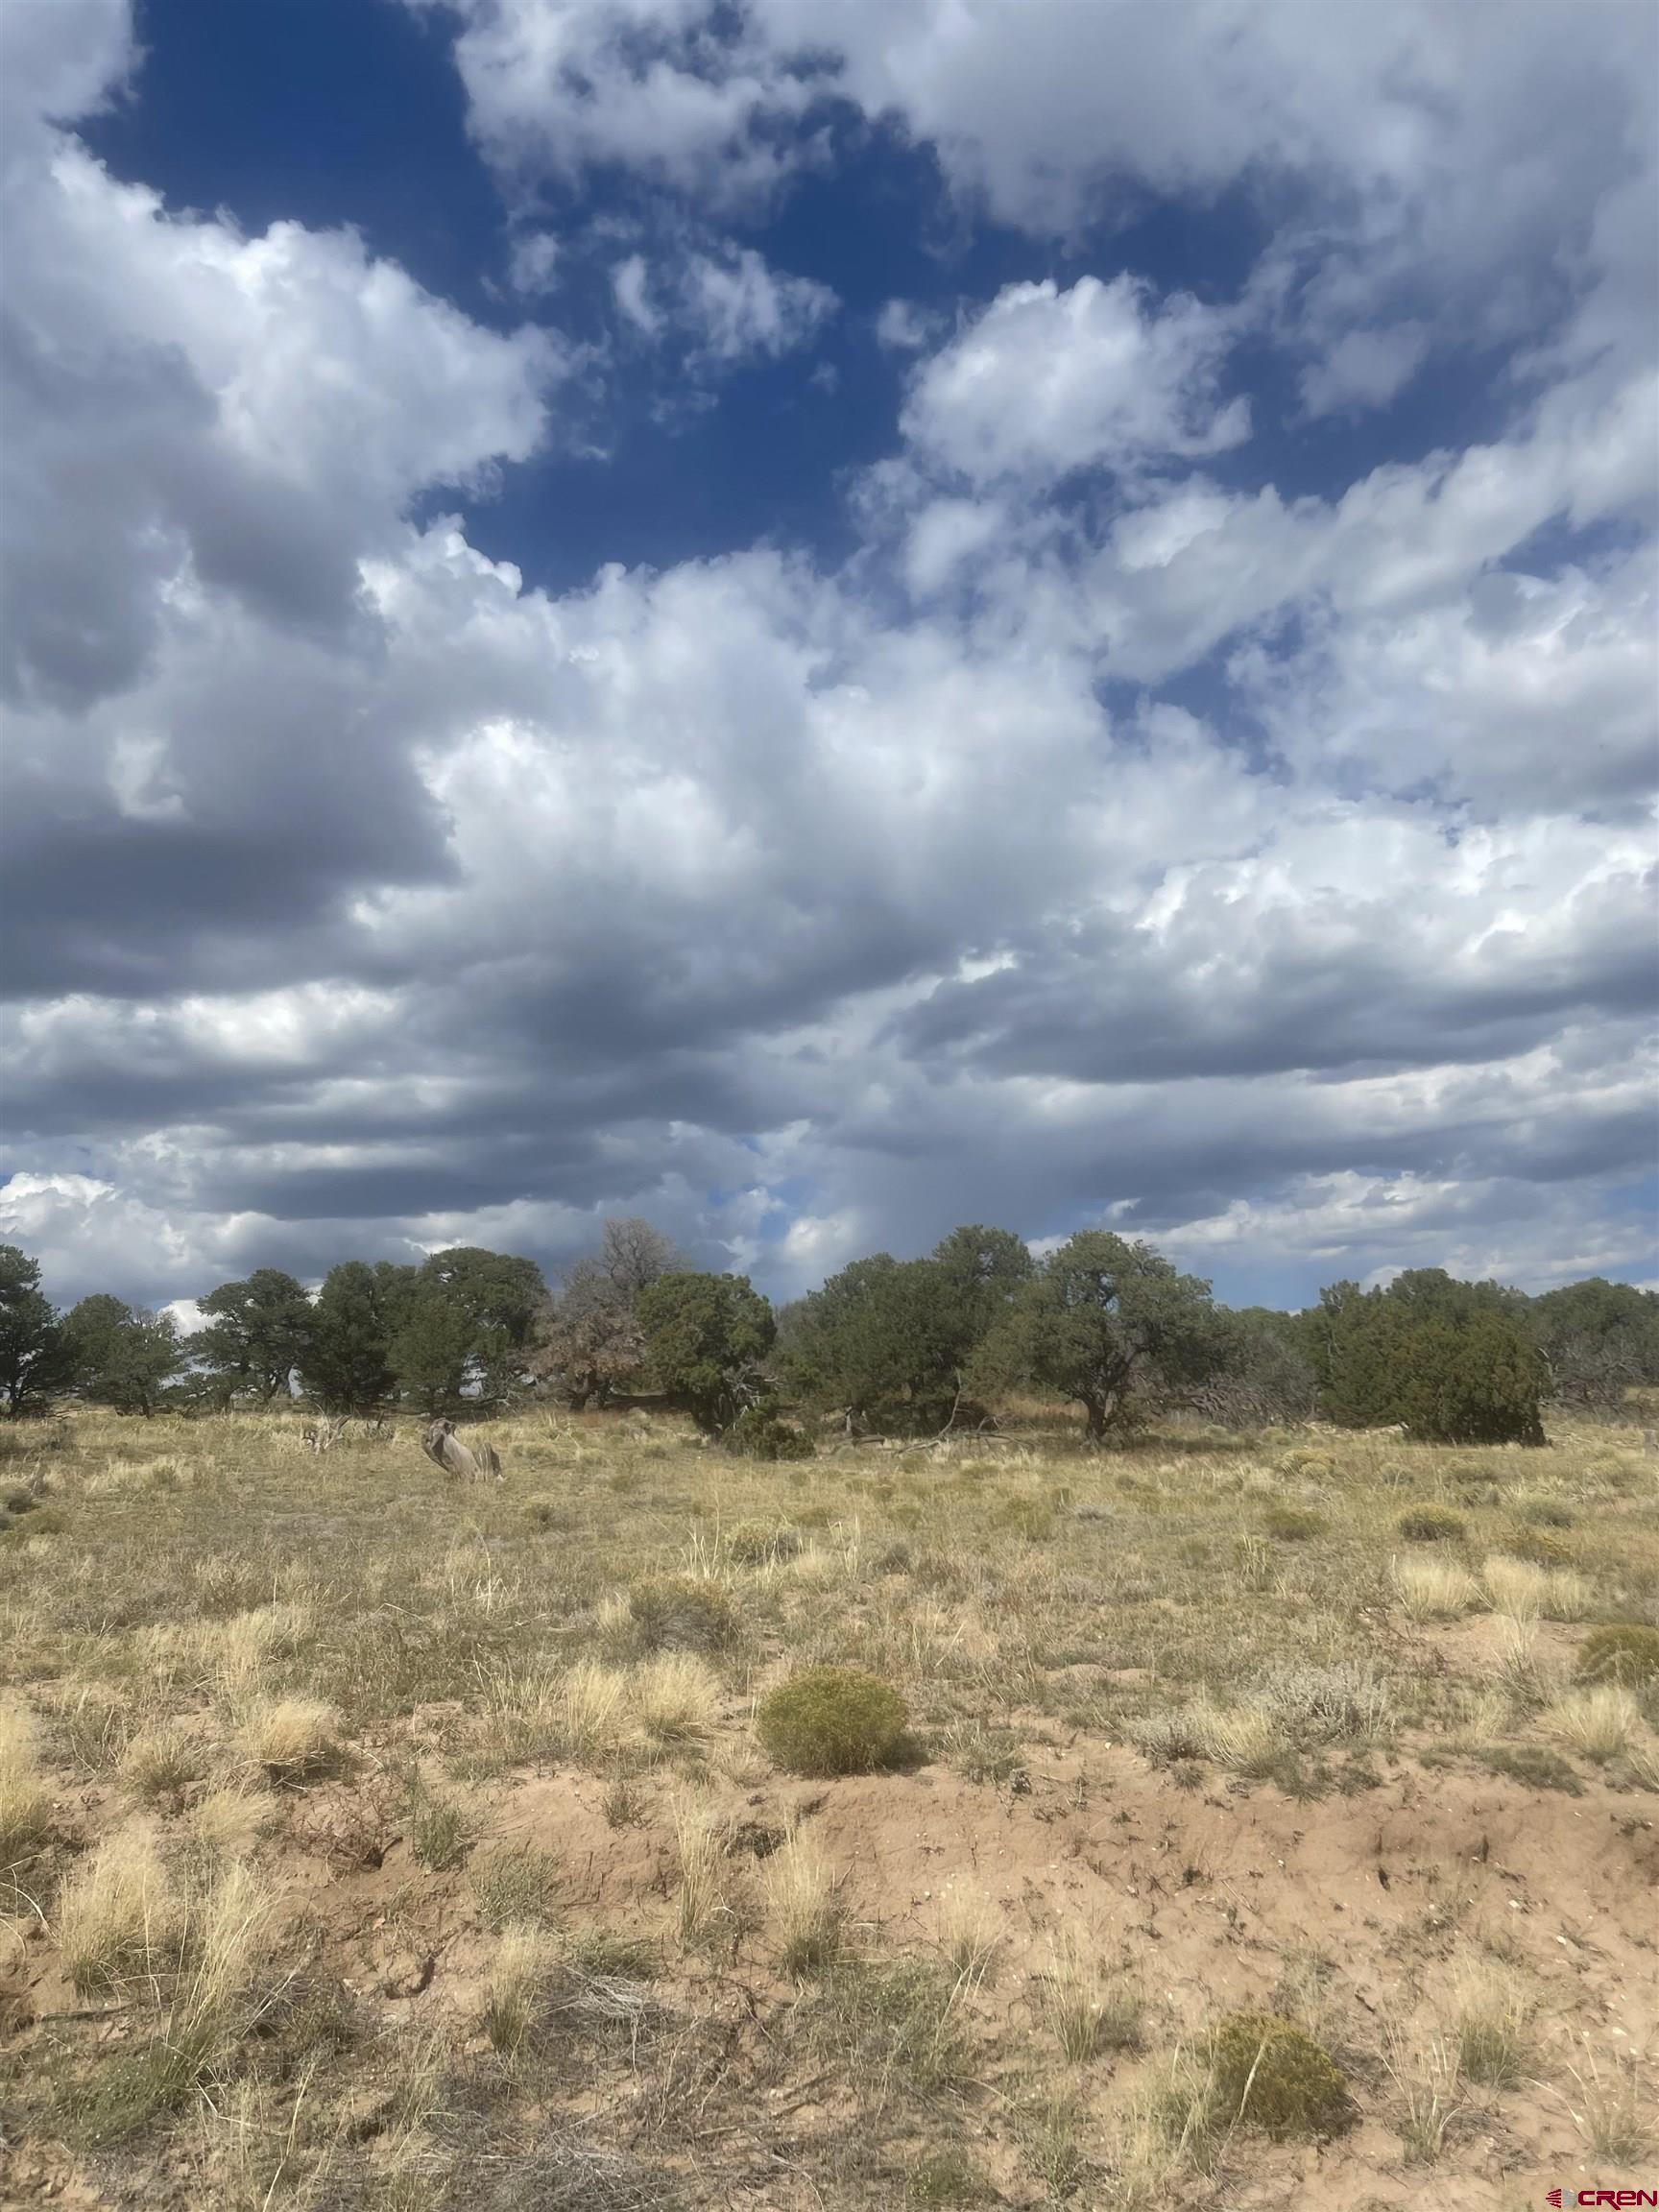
{"x":818,"y":622}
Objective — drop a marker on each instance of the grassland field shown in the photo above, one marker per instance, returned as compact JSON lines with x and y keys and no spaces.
{"x":370,"y":1840}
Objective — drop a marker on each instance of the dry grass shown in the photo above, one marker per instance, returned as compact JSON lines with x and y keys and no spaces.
{"x":293,"y":1740}
{"x":160,"y":1763}
{"x":971,"y":1934}
{"x":1089,"y":2009}
{"x":802,"y":1913}
{"x":700,"y":1898}
{"x":119,"y":1913}
{"x":519,"y":1971}
{"x":602,"y":1913}
{"x":1524,"y":1591}
{"x":592,"y":1702}
{"x":1433,"y":1589}
{"x":1611,"y":2104}
{"x":1492,"y":2016}
{"x":1600,"y":1722}
{"x":25,"y":1801}
{"x":674,"y":1698}
{"x":1426,"y":2075}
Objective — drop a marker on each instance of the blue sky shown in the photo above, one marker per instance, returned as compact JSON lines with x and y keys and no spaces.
{"x":821,"y":621}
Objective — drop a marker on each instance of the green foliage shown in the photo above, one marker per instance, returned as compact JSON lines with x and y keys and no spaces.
{"x":681,"y":1613}
{"x":1108,"y":1324}
{"x":36,"y":1361}
{"x":122,"y":1358}
{"x":1430,"y":1525}
{"x":1268,"y":2075}
{"x":498,"y":1299}
{"x":758,"y":1433}
{"x":889,"y":1341}
{"x":432,"y":1350}
{"x":1601,"y":1339}
{"x":258,"y":1332}
{"x":832,"y":1720}
{"x":1624,"y":1651}
{"x":705,"y":1337}
{"x":347,"y":1367}
{"x":497,"y":1292}
{"x":1453,"y":1362}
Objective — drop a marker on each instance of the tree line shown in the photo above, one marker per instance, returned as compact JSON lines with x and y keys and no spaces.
{"x":890,"y":1346}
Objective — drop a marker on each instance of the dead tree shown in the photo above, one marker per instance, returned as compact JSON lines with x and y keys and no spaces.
{"x":477,"y":1463}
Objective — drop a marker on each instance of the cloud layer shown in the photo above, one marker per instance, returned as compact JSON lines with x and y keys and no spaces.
{"x":1116,"y":834}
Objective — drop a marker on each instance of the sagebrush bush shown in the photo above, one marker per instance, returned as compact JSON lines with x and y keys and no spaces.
{"x":832,"y":1720}
{"x":1267,"y":2074}
{"x":1430,"y":1525}
{"x":1293,"y":1524}
{"x":1624,"y":1651}
{"x":1539,"y":1547}
{"x":682,"y":1613}
{"x":761,"y":1543}
{"x":1313,"y":1466}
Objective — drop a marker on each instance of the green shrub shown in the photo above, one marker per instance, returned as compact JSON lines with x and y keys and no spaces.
{"x":1540,"y":1546}
{"x":832,"y":1720}
{"x":1430,"y":1525}
{"x":1268,"y":2075}
{"x":1547,"y":1513}
{"x":759,"y":1544}
{"x":761,"y":1434}
{"x":680,"y":1612}
{"x":1032,"y":1518}
{"x":1624,"y":1651}
{"x":943,"y":2178}
{"x":1446,"y":1360}
{"x":1313,"y":1466}
{"x":1292,"y":1524}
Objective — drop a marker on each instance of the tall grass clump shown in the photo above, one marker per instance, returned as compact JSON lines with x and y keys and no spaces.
{"x":674,"y":1697}
{"x":293,"y":1740}
{"x":25,"y":1802}
{"x":517,"y":1984}
{"x":1090,"y":2010}
{"x":119,"y":1912}
{"x":1492,"y":2020}
{"x":1434,"y":1589}
{"x":1597,"y":1721}
{"x":801,"y":1908}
